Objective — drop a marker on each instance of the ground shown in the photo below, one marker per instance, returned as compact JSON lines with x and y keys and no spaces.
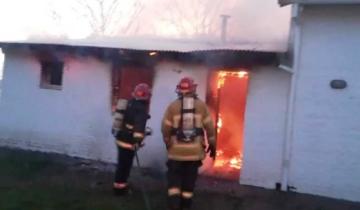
{"x":39,"y":181}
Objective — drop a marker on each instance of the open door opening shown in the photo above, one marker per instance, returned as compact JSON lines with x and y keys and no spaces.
{"x":228,"y":91}
{"x":125,"y":78}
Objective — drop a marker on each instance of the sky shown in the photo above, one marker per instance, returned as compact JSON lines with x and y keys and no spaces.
{"x":251,"y":20}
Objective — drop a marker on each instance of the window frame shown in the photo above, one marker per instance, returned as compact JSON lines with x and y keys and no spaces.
{"x":45,"y":78}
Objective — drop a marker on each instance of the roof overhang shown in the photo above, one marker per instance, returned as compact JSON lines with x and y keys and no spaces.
{"x":287,"y":2}
{"x":219,"y":58}
{"x":160,"y":44}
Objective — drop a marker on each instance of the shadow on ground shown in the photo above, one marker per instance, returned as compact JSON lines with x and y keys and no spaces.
{"x":39,"y":181}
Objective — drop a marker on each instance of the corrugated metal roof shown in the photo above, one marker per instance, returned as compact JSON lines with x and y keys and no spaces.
{"x":156,"y":44}
{"x":211,"y":58}
{"x":286,"y":2}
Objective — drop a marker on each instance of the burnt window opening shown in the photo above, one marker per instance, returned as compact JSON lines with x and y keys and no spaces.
{"x":51,"y":75}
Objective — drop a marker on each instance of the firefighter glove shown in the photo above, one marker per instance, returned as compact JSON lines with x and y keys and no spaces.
{"x":139,"y":145}
{"x":212,"y":150}
{"x":114,"y":132}
{"x":168,"y":143}
{"x":138,"y":140}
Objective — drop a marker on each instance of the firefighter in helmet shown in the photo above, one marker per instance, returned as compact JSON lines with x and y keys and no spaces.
{"x":129,"y":130}
{"x":185,"y":124}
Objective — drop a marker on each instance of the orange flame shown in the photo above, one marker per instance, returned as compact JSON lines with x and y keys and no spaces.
{"x":222,"y":76}
{"x":219,"y":163}
{"x":222,"y":161}
{"x":219,"y":124}
{"x":153,"y":53}
{"x":235,"y":162}
{"x":220,"y":82}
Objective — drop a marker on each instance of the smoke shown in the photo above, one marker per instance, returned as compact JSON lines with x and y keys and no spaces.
{"x":259,"y":21}
{"x":251,"y":20}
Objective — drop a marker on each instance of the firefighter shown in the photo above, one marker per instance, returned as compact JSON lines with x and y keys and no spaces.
{"x":129,"y":130}
{"x":185,"y":124}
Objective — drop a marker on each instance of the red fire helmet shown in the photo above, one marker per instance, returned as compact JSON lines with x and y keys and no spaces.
{"x":186,"y":85}
{"x":142,"y":91}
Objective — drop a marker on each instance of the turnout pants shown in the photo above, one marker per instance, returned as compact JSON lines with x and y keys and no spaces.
{"x":124,"y":164}
{"x":181,"y":176}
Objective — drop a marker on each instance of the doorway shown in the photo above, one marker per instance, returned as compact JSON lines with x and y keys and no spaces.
{"x":125,"y":78}
{"x":227,"y":101}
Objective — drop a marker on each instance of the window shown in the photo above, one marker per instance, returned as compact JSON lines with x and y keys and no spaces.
{"x":51,"y":75}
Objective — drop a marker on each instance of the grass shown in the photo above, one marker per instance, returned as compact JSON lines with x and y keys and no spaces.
{"x":33,"y":181}
{"x":37,"y":181}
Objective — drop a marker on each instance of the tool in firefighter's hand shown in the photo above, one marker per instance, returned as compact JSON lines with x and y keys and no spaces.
{"x":212,"y":150}
{"x":139,"y":145}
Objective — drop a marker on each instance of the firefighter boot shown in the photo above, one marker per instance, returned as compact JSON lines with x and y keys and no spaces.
{"x":186,"y":200}
{"x":174,"y":202}
{"x":120,"y":189}
{"x":186,"y":203}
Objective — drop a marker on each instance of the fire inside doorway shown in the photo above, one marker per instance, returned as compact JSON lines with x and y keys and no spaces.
{"x":227,"y":99}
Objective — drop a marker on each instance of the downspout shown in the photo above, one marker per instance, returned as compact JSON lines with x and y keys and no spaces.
{"x":289,"y":129}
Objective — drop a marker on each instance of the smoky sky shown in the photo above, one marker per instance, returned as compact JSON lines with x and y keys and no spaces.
{"x":250,"y":21}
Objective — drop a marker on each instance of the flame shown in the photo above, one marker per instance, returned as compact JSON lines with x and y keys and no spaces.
{"x":228,"y":162}
{"x":236,"y":163}
{"x":223,"y":74}
{"x":219,"y":124}
{"x":220,"y":82}
{"x":221,"y":161}
{"x":221,"y":77}
{"x":241,"y":74}
{"x":153,"y":53}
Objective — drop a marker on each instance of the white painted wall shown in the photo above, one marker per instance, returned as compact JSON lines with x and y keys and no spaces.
{"x":74,"y":121}
{"x":265,"y":127}
{"x":77,"y":120}
{"x":1,"y":64}
{"x":325,"y":156}
{"x":167,"y":76}
{"x":1,"y":69}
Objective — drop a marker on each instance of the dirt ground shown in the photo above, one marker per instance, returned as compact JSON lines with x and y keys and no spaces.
{"x":39,"y":181}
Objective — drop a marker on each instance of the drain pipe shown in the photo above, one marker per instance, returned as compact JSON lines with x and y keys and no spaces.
{"x":289,"y":130}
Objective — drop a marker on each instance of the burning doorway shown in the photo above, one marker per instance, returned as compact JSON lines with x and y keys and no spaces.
{"x":227,"y":99}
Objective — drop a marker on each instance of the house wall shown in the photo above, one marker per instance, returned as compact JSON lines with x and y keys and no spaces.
{"x":1,"y":64}
{"x":1,"y":69}
{"x":77,"y":119}
{"x":265,"y":127}
{"x":74,"y":121}
{"x":326,"y":141}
